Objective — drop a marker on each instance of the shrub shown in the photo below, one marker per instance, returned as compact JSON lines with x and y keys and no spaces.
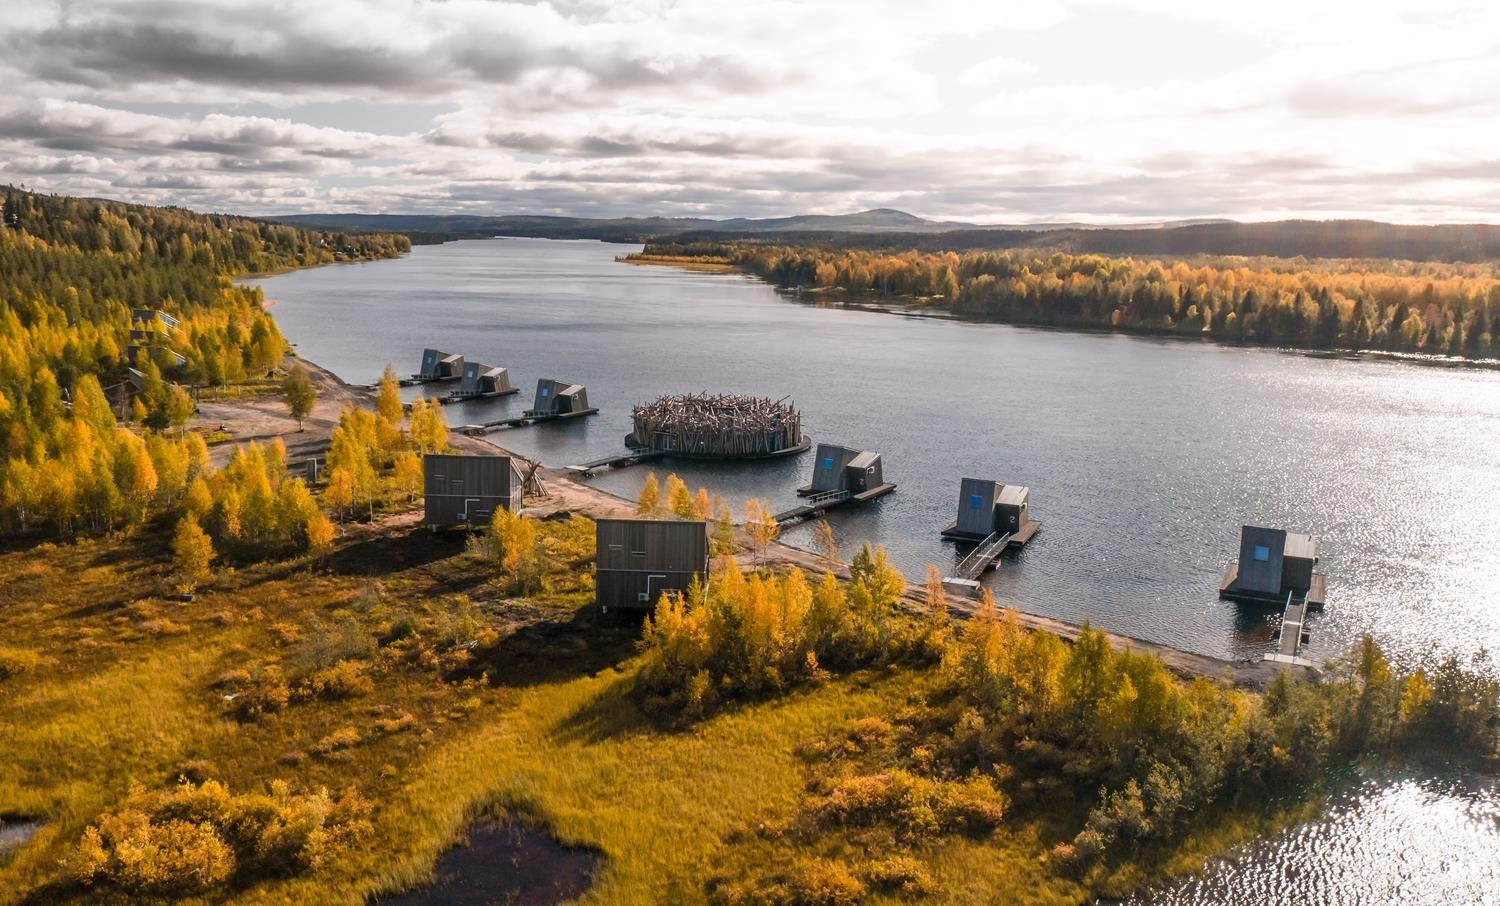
{"x":901,"y":875}
{"x":265,"y":693}
{"x":195,"y":837}
{"x":346,"y":679}
{"x":16,"y":661}
{"x":919,"y":807}
{"x":812,"y":882}
{"x":338,"y":740}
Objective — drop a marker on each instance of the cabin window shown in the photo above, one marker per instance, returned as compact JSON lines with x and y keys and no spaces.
{"x":546,"y":392}
{"x":976,"y":501}
{"x":828,"y":462}
{"x":1262,"y":553}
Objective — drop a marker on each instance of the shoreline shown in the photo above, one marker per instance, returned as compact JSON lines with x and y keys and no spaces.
{"x":566,"y":495}
{"x":911,"y":307}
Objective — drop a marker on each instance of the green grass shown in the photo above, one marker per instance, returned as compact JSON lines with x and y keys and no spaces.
{"x":529,"y":716}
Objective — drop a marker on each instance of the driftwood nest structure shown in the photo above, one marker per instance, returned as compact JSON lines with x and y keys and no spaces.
{"x":712,"y":426}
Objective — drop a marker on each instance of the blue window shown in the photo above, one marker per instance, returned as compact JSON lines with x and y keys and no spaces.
{"x":976,"y":501}
{"x":1262,"y":553}
{"x":546,"y":392}
{"x":828,"y":462}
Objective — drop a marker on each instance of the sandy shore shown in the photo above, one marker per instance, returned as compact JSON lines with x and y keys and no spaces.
{"x":265,"y":418}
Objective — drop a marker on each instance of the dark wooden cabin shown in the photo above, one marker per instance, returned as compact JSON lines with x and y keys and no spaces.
{"x":556,"y":398}
{"x":440,"y":366}
{"x":638,"y":559}
{"x":480,"y":380}
{"x":466,"y":489}
{"x":988,"y":507}
{"x":837,"y":468}
{"x":1274,"y":564}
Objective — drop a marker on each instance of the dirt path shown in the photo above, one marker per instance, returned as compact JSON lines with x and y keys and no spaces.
{"x":266,"y":418}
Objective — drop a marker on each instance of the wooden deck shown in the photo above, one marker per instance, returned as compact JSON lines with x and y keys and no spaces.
{"x":1316,"y":593}
{"x":618,"y":461}
{"x":456,"y":397}
{"x":520,"y":421}
{"x":820,"y":504}
{"x":1017,"y":539}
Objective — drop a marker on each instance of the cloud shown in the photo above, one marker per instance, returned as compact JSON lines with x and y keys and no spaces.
{"x":1133,"y":109}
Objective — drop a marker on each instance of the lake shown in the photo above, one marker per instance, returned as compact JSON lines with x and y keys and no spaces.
{"x":1143,"y":456}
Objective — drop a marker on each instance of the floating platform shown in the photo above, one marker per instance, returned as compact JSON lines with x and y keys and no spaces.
{"x":417,"y":380}
{"x":618,"y":461}
{"x":1314,"y":598}
{"x":979,"y":561}
{"x":819,"y":504}
{"x":456,"y":397}
{"x":530,"y":417}
{"x":802,"y":447}
{"x":1019,"y":538}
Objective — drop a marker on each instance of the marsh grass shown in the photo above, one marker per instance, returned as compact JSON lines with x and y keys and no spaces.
{"x":411,"y":673}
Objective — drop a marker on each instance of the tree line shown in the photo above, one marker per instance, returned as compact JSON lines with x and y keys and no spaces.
{"x":1402,"y":306}
{"x":86,"y":444}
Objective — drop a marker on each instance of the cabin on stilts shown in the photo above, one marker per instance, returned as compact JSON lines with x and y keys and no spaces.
{"x":439,"y":366}
{"x":558,"y":399}
{"x":481,"y":381}
{"x":636,"y":560}
{"x":1273,"y":564}
{"x":717,"y":426}
{"x":466,"y":490}
{"x":840,"y":476}
{"x":989,"y":507}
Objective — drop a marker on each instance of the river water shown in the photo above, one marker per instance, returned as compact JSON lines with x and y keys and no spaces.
{"x":1143,"y":457}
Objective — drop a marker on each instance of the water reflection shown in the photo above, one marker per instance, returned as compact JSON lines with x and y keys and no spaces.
{"x":1386,"y":840}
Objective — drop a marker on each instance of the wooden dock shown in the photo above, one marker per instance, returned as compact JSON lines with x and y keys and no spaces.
{"x":980,"y":560}
{"x":529,"y":418}
{"x":456,"y":397}
{"x":1017,"y":539}
{"x":1293,"y":634}
{"x":819,"y":504}
{"x":618,"y":461}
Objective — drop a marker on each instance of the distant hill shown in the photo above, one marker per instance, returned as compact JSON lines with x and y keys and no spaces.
{"x":637,"y":229}
{"x":887,"y":228}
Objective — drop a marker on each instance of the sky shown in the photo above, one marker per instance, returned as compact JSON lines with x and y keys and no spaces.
{"x":989,"y":112}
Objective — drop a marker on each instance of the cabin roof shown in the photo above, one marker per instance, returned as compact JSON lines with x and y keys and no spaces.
{"x":1012,"y":495}
{"x":864,"y":460}
{"x":1304,"y":547}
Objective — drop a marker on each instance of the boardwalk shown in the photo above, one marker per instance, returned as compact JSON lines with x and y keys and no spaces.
{"x":817,"y":505}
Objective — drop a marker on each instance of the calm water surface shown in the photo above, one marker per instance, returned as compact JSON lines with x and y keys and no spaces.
{"x":1143,"y":457}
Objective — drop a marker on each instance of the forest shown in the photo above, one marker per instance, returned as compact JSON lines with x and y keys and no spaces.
{"x":1397,"y":306}
{"x":73,"y":455}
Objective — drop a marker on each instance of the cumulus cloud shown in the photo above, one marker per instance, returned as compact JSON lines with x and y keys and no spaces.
{"x":1131,"y":109}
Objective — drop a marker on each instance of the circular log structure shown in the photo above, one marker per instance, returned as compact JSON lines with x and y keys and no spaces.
{"x":713,"y":426}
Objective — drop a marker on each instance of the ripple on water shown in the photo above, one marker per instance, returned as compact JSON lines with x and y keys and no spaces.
{"x":1384,"y":841}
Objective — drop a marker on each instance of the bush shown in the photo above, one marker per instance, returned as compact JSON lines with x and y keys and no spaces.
{"x":196,"y":837}
{"x":337,"y":741}
{"x":266,"y":692}
{"x":919,"y":807}
{"x":346,"y":679}
{"x":901,"y":875}
{"x":16,"y":661}
{"x":813,"y":882}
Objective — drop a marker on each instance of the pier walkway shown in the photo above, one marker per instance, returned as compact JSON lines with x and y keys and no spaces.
{"x":982,"y":558}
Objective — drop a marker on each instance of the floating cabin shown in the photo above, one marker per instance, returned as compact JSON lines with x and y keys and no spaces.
{"x":638,"y":559}
{"x":556,"y":399}
{"x":987,"y":507}
{"x":466,"y":490}
{"x":439,"y":366}
{"x":480,"y":381}
{"x":840,"y":476}
{"x":708,"y":426}
{"x":1274,"y":565}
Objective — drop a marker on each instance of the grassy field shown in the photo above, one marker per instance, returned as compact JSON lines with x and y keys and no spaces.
{"x":464,"y":700}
